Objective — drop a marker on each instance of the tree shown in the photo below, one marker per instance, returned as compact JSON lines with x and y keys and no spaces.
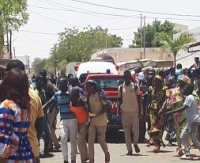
{"x":168,"y":44}
{"x":12,"y":16}
{"x":38,"y":64}
{"x":150,"y":32}
{"x":77,"y":46}
{"x":143,"y":64}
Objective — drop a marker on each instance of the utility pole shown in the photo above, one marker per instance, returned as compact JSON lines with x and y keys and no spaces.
{"x":144,"y":37}
{"x":14,"y":52}
{"x":141,"y":35}
{"x":7,"y":40}
{"x":10,"y":44}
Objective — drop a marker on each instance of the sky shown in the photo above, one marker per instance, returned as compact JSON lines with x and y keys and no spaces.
{"x":50,"y":17}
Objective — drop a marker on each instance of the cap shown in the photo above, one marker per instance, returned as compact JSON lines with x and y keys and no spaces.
{"x":15,"y":64}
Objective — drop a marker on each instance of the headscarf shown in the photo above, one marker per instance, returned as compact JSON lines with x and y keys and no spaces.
{"x":158,"y":77}
{"x":99,"y":91}
{"x":184,"y":79}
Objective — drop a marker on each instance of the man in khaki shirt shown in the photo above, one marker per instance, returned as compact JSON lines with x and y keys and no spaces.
{"x":130,"y":101}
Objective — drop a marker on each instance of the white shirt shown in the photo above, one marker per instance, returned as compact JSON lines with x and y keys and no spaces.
{"x":192,"y":114}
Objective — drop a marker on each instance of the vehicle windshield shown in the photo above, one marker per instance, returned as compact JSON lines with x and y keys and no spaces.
{"x":106,"y":82}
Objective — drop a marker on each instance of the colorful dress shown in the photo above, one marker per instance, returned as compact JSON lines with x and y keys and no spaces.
{"x":14,"y":123}
{"x":176,"y":100}
{"x":157,"y":121}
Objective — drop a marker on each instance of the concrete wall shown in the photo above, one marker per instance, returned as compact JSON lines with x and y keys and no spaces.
{"x":127,"y":54}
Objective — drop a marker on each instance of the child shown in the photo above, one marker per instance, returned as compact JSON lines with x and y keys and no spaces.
{"x":192,"y":115}
{"x":79,"y":108}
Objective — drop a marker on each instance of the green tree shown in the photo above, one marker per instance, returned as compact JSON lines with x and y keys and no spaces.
{"x":77,"y":46}
{"x":143,"y":64}
{"x":168,"y":44}
{"x":12,"y":16}
{"x":39,"y":64}
{"x":151,"y":31}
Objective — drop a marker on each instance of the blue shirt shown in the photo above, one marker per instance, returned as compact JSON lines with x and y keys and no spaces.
{"x":63,"y":101}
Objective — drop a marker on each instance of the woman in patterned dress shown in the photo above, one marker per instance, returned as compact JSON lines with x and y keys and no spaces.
{"x":175,"y":101}
{"x":155,"y":101}
{"x":15,"y":118}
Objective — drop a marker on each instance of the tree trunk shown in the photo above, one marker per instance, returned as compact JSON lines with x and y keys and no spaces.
{"x":174,"y":62}
{"x":1,"y":40}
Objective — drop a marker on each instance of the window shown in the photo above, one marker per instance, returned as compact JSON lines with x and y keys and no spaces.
{"x":106,"y":82}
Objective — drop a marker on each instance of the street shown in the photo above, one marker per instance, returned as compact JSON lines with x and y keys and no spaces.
{"x":118,"y":154}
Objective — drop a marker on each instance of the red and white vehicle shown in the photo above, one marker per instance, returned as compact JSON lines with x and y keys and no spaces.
{"x":110,"y":83}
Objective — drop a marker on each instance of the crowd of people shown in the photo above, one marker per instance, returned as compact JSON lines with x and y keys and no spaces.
{"x":170,"y":101}
{"x":172,"y":105}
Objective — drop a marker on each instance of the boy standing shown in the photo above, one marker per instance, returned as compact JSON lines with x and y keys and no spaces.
{"x":68,"y":121}
{"x":192,"y":116}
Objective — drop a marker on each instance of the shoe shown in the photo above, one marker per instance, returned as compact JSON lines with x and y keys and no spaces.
{"x":66,"y":162}
{"x":107,"y":157}
{"x":73,"y":161}
{"x":129,"y":153}
{"x":137,"y":149}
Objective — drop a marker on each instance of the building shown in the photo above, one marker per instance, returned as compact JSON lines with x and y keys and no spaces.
{"x":180,"y":27}
{"x":25,"y":59}
{"x":186,"y":58}
{"x":128,"y":54}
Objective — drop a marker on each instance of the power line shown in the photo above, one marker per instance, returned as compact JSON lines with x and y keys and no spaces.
{"x":140,"y":11}
{"x":35,"y":40}
{"x":54,"y":19}
{"x":128,"y":16}
{"x":89,"y":12}
{"x":45,"y":33}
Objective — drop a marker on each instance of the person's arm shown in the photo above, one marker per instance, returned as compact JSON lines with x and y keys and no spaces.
{"x":192,"y":66}
{"x":119,"y":97}
{"x":139,"y":100}
{"x":163,"y":107}
{"x":51,"y":103}
{"x":178,"y":110}
{"x":40,"y":117}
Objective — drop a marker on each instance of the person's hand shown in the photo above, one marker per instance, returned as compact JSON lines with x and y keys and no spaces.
{"x":92,"y":115}
{"x":169,"y":112}
{"x":141,"y":114}
{"x":160,"y":112}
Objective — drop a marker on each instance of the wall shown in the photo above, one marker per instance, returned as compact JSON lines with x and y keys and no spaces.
{"x":127,"y":54}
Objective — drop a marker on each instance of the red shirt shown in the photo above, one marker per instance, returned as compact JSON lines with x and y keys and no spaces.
{"x":80,"y":113}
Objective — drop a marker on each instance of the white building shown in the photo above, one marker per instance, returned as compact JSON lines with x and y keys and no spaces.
{"x":25,"y":59}
{"x":185,"y":58}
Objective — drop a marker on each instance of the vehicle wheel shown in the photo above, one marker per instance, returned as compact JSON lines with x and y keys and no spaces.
{"x":142,"y":130}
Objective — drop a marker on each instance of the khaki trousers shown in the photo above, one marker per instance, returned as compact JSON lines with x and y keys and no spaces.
{"x":130,"y":122}
{"x":82,"y":146}
{"x":50,"y":117}
{"x":100,"y":131}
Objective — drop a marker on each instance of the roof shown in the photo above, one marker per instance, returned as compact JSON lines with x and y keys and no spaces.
{"x":133,"y":61}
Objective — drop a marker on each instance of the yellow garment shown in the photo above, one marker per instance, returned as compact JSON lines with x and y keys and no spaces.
{"x":36,"y":112}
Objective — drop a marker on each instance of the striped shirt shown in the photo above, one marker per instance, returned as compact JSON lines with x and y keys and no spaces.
{"x":63,"y":101}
